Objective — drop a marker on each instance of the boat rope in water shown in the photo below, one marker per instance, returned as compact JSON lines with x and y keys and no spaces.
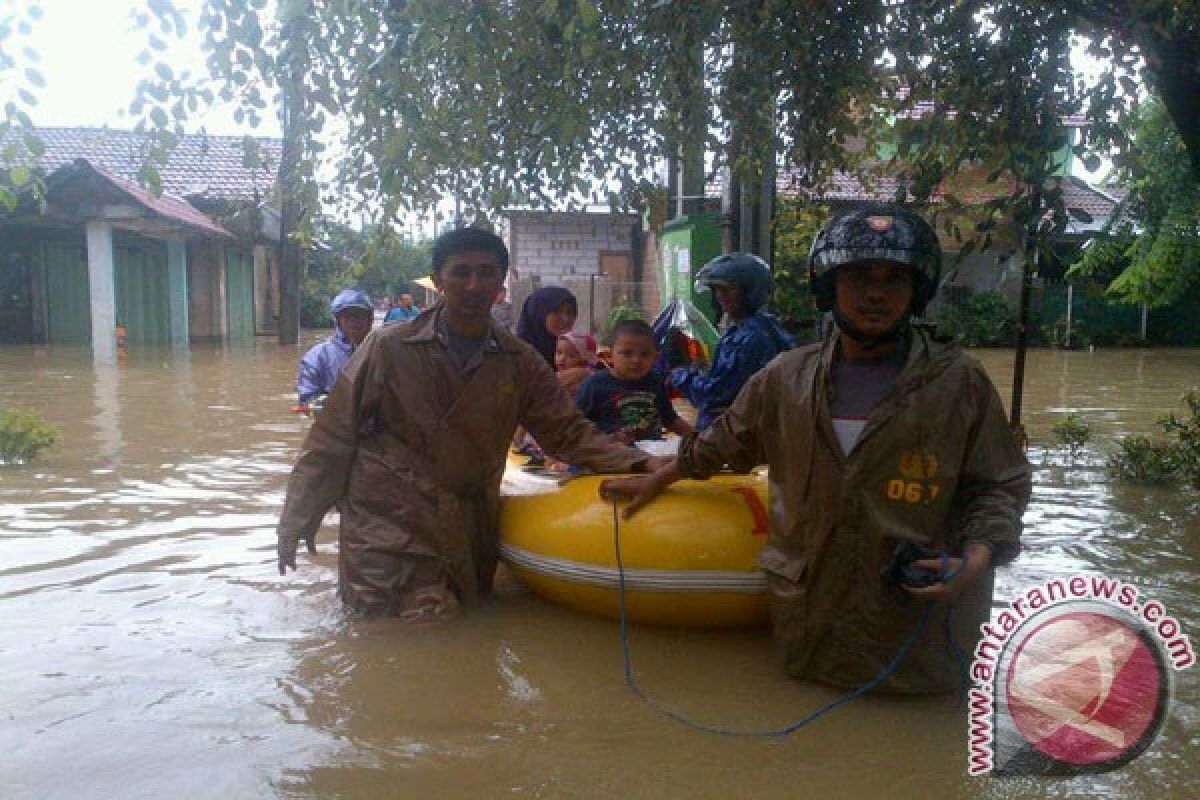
{"x":859,"y":691}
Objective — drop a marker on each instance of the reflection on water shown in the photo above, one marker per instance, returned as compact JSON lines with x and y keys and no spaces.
{"x":150,"y":649}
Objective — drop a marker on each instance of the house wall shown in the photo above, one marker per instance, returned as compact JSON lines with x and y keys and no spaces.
{"x":554,"y":246}
{"x":206,"y":291}
{"x":266,"y":289}
{"x":142,"y":295}
{"x":239,"y":293}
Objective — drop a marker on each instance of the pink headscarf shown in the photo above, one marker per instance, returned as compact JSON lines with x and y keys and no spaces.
{"x":584,"y":344}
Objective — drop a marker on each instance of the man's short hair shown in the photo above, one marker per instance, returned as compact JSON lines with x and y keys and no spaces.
{"x":464,"y":240}
{"x":631,"y":327}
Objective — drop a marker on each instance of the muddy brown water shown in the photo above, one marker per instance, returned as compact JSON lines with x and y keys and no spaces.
{"x":149,"y":649}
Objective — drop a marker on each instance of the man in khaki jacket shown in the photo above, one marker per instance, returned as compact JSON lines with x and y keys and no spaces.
{"x":884,"y":434}
{"x":412,"y":443}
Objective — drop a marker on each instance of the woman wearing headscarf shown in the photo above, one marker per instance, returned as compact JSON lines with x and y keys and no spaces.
{"x":547,"y":314}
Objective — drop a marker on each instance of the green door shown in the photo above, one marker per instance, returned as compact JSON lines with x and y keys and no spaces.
{"x":64,"y":284}
{"x":239,"y":294}
{"x":143,"y":302}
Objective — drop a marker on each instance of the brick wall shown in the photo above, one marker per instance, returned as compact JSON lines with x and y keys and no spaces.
{"x":553,"y":246}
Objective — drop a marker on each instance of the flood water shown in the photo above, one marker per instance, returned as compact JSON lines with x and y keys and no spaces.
{"x":149,"y":649}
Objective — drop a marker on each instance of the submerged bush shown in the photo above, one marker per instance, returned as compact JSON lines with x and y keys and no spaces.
{"x":984,"y":320}
{"x":1072,"y":433}
{"x":1186,"y":432}
{"x":23,"y":434}
{"x":1141,"y":459}
{"x":1167,"y":459}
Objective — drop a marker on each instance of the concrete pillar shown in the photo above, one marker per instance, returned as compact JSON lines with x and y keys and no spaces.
{"x":177,"y":296}
{"x":102,"y":292}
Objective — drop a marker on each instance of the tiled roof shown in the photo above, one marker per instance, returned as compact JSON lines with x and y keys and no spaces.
{"x":200,"y":164}
{"x":171,"y":209}
{"x":846,"y":187}
{"x":922,"y":108}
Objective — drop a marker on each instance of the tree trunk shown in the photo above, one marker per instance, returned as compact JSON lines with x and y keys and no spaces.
{"x":1176,"y":79}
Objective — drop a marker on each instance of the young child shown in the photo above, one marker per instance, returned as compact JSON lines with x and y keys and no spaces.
{"x":630,"y":401}
{"x":574,"y":360}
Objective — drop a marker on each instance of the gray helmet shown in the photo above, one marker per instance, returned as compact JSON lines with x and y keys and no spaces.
{"x":876,"y":234}
{"x":350,"y":298}
{"x":739,"y":269}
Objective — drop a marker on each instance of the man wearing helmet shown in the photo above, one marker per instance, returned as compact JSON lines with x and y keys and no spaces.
{"x":741,"y":284}
{"x":881,"y":436}
{"x":352,"y":314}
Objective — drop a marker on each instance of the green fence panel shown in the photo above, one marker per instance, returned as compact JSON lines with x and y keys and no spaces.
{"x":64,"y":279}
{"x":239,"y":294}
{"x":143,"y":300}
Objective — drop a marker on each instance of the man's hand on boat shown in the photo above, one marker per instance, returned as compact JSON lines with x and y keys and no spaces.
{"x":641,"y":489}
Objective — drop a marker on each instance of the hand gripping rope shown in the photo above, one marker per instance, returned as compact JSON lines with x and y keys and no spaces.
{"x":883,"y":675}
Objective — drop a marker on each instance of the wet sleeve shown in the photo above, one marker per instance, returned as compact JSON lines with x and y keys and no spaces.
{"x":733,"y":439}
{"x":996,"y":480}
{"x":322,"y":469}
{"x":737,"y":360}
{"x":561,"y":429}
{"x":308,"y":376}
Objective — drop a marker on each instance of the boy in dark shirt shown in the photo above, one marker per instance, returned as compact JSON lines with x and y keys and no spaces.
{"x":630,"y":400}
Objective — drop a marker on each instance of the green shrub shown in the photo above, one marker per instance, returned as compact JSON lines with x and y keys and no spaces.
{"x":23,"y":434}
{"x":1164,"y":460}
{"x":1072,"y":433}
{"x":984,"y":320}
{"x":1141,"y":459}
{"x":1186,"y":432}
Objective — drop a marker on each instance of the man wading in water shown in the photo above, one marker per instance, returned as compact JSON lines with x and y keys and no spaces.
{"x":882,"y":435}
{"x":412,"y":441}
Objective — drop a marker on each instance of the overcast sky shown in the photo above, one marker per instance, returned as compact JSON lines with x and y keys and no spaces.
{"x":89,"y":52}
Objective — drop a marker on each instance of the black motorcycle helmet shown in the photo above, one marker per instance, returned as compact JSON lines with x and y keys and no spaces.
{"x":739,"y":269}
{"x":876,"y":234}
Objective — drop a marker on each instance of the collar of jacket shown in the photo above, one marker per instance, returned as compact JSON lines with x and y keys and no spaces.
{"x":928,"y":356}
{"x":430,"y":327}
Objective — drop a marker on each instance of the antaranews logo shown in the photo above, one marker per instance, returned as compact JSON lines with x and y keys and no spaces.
{"x":1073,"y":677}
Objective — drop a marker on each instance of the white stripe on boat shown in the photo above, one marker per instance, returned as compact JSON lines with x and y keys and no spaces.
{"x":649,"y":580}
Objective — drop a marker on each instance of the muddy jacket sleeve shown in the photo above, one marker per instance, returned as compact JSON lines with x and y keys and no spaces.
{"x":323,"y":467}
{"x":561,"y":428}
{"x":995,"y":481}
{"x":733,"y":439}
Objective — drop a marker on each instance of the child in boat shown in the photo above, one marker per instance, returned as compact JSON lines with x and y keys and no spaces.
{"x":630,"y":400}
{"x":574,"y":360}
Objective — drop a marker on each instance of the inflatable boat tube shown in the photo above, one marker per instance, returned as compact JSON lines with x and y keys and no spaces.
{"x":689,"y":557}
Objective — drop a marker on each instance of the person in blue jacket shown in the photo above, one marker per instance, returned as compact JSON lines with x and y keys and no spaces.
{"x":402,"y":311}
{"x":319,"y":368}
{"x":741,"y":284}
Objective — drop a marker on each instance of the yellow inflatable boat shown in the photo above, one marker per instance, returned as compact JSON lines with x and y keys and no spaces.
{"x":689,"y":557}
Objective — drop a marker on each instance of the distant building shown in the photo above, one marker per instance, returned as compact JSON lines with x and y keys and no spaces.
{"x":595,"y":254}
{"x":196,"y":263}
